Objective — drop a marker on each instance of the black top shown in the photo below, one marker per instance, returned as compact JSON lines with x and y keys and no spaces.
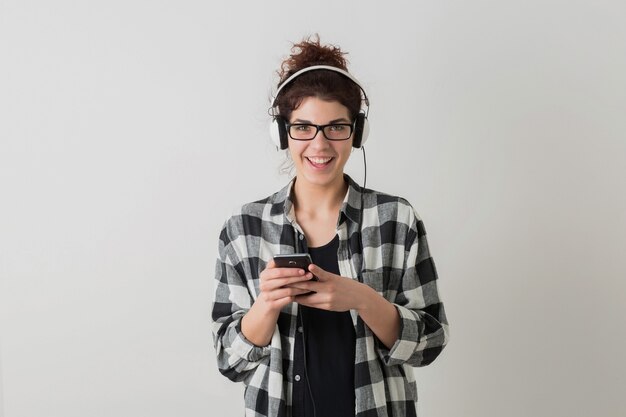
{"x":329,"y":339}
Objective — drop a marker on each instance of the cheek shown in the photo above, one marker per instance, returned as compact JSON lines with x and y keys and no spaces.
{"x":345,"y":151}
{"x":295,"y":150}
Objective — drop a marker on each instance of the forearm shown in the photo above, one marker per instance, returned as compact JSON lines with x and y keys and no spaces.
{"x":380,"y":316}
{"x":258,"y":324}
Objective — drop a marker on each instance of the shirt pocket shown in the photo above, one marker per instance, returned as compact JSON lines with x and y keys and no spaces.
{"x":385,"y":282}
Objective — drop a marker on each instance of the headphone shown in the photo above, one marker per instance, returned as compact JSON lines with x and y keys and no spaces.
{"x":278,"y":125}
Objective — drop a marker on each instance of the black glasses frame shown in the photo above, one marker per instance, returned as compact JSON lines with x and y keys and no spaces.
{"x":318,"y":128}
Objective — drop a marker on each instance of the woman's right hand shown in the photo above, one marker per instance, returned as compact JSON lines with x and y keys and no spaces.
{"x":275,"y":292}
{"x":259,"y":322}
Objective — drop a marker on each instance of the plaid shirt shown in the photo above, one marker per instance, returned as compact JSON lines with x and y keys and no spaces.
{"x":396,"y":263}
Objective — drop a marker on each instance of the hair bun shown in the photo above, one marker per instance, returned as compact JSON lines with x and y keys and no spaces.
{"x":310,"y":52}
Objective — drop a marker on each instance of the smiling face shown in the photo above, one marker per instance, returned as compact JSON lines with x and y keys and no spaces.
{"x":320,"y":162}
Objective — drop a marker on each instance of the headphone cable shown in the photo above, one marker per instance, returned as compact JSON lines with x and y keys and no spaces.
{"x":306,"y":373}
{"x":360,"y":273}
{"x":365,"y":170}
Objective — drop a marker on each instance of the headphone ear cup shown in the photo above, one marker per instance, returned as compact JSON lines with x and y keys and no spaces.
{"x":278,"y":132}
{"x":361,"y":130}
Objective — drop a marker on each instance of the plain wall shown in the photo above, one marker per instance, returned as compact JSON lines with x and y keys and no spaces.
{"x":129,"y":130}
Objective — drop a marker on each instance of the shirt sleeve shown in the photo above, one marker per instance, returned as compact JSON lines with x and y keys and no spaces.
{"x":237,"y":357}
{"x":423,"y":323}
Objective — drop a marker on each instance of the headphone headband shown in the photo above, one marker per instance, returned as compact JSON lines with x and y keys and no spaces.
{"x":321,"y":67}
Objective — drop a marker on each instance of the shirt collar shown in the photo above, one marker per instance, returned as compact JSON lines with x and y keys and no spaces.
{"x":350,"y":208}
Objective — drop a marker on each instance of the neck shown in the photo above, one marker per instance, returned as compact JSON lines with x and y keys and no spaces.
{"x":312,"y":198}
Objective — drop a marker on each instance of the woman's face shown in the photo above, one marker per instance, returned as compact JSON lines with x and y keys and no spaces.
{"x":320,"y":161}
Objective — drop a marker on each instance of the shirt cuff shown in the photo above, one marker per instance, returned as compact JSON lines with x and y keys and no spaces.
{"x":245,"y":349}
{"x":404,"y":348}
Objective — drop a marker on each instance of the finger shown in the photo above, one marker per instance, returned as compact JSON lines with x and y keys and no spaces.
{"x":276,"y":273}
{"x":306,"y":285}
{"x":272,"y":284}
{"x":320,"y":273}
{"x":282,"y":302}
{"x":284,"y":293}
{"x":308,"y":299}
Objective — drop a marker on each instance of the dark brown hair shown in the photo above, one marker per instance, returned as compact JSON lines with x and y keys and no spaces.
{"x":324,"y":84}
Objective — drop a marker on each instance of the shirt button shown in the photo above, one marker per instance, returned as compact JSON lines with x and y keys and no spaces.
{"x":300,"y":329}
{"x":297,"y":378}
{"x":301,"y":237}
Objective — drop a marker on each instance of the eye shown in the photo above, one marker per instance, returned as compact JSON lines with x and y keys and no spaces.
{"x":302,"y":128}
{"x":337,"y":128}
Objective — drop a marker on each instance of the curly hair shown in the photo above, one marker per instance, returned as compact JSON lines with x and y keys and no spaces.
{"x":326,"y":85}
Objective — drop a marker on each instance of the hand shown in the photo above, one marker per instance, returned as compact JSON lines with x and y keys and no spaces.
{"x":259,"y":323}
{"x":332,"y":292}
{"x":336,"y":293}
{"x":275,"y":286}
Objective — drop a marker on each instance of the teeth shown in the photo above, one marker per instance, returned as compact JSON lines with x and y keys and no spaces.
{"x":319,"y":160}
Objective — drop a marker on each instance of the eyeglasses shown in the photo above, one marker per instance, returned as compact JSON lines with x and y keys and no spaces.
{"x":306,"y":131}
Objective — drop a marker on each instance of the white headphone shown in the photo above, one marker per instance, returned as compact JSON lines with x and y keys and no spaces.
{"x":278,"y":128}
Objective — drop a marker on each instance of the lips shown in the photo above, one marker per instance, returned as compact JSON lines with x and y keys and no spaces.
{"x":319,"y":161}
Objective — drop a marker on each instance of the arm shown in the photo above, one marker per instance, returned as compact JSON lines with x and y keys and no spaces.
{"x":336,"y":293}
{"x":259,"y":322}
{"x":423,"y":329}
{"x":379,"y":314}
{"x":237,"y":357}
{"x":243,"y":327}
{"x":413,"y":328}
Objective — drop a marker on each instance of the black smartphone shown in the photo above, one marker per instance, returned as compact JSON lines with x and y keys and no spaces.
{"x":294,"y":260}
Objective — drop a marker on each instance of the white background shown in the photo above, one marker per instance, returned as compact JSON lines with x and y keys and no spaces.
{"x":129,"y":130}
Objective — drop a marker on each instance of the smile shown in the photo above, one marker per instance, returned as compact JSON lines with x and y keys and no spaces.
{"x":319,"y":162}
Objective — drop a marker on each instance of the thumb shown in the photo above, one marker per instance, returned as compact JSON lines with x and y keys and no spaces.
{"x":319,"y":272}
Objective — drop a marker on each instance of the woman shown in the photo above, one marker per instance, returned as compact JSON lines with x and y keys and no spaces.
{"x":341,"y":338}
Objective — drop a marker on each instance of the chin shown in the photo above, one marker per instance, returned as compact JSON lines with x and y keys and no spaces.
{"x":322,"y":180}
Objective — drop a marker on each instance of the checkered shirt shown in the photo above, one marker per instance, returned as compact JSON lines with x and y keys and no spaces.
{"x":396,"y":263}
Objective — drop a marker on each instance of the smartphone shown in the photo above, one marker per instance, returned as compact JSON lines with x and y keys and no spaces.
{"x":294,"y":260}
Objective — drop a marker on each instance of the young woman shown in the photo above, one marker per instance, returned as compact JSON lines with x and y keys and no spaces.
{"x":341,"y":338}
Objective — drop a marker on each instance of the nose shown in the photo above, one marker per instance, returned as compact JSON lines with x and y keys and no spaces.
{"x":319,"y":138}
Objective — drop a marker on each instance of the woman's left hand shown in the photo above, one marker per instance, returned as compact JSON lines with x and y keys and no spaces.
{"x":332,"y":292}
{"x":336,"y":293}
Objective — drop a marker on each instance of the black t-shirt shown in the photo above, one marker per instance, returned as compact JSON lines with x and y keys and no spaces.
{"x":330,"y":340}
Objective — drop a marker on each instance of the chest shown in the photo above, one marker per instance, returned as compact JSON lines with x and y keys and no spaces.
{"x":319,"y":231}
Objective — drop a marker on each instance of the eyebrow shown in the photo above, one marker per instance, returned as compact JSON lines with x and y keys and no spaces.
{"x":340,"y":120}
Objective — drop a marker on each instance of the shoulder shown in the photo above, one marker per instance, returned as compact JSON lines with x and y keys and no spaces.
{"x":248,"y":219}
{"x":389,"y":207}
